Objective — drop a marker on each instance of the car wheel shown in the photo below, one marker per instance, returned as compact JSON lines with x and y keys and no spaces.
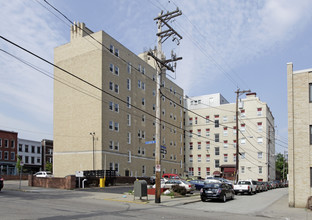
{"x":203,"y":199}
{"x":224,"y":198}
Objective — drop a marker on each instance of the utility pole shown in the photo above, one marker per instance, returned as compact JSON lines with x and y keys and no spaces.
{"x":238,"y":93}
{"x":162,"y":36}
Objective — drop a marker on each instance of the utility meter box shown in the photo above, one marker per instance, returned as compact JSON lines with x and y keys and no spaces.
{"x":140,"y":189}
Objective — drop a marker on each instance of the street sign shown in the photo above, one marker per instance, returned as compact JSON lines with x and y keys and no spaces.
{"x":150,"y":142}
{"x":79,"y":173}
{"x":163,"y":147}
{"x":158,"y":168}
{"x":21,"y":163}
{"x":163,"y":151}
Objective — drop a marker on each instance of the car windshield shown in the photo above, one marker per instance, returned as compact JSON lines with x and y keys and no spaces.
{"x":213,"y":185}
{"x":243,"y":183}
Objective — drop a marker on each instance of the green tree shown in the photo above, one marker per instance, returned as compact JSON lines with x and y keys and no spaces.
{"x":281,"y":165}
{"x":18,"y":164}
{"x":49,"y":167}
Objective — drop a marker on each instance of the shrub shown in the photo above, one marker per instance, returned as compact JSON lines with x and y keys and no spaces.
{"x":179,"y":189}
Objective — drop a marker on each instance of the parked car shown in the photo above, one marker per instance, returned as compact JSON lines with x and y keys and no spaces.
{"x":197,"y":183}
{"x":1,"y":182}
{"x":171,"y":176}
{"x":220,"y":191}
{"x":152,"y":180}
{"x":246,"y":186}
{"x":272,"y":184}
{"x":259,"y":187}
{"x":167,"y":184}
{"x":43,"y":174}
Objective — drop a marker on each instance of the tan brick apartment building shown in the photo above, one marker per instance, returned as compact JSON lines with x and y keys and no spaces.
{"x":210,"y":140}
{"x":299,"y":85}
{"x":105,"y":125}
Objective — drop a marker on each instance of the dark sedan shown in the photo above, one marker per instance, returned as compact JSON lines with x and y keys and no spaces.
{"x":1,"y":183}
{"x":197,"y":183}
{"x":220,"y":191}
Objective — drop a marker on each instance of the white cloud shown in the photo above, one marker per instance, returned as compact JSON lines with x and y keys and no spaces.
{"x":232,"y":33}
{"x":27,"y":94}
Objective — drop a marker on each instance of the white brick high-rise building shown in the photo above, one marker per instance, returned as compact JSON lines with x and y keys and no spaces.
{"x":210,"y":140}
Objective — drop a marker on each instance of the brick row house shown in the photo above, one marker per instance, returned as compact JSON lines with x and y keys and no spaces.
{"x":8,"y":152}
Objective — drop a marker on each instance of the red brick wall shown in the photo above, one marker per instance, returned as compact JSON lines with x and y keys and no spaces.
{"x":15,"y":177}
{"x":7,"y":135}
{"x":68,"y":182}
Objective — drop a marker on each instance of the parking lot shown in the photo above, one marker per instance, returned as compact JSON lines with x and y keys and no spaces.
{"x":242,"y":204}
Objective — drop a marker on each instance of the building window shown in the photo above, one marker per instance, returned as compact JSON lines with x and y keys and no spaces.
{"x":234,"y":157}
{"x":129,"y":68}
{"x":311,"y":177}
{"x":190,"y":133}
{"x":260,"y":170}
{"x":207,"y":119}
{"x":207,"y":145}
{"x":129,"y":156}
{"x":199,"y":132}
{"x":26,"y":148}
{"x":191,"y":145}
{"x":310,"y":134}
{"x":260,"y":155}
{"x":116,"y":146}
{"x":243,"y":128}
{"x":33,"y":149}
{"x":216,"y":137}
{"x":110,"y":126}
{"x":242,"y":113}
{"x":143,"y":101}
{"x":111,"y":166}
{"x":38,"y":150}
{"x":129,"y":84}
{"x":216,"y":123}
{"x":111,"y":106}
{"x":129,"y":138}
{"x":128,"y":102}
{"x":0,"y":142}
{"x":225,"y":119}
{"x":116,"y":88}
{"x":207,"y":132}
{"x":26,"y":159}
{"x":6,"y":155}
{"x":242,"y":169}
{"x":260,"y":140}
{"x":199,"y":171}
{"x":154,"y":107}
{"x":111,"y":86}
{"x":117,"y":167}
{"x":111,"y":145}
{"x":260,"y":127}
{"x":191,"y":158}
{"x":20,"y":148}
{"x":199,"y":158}
{"x":217,"y":163}
{"x":207,"y":157}
{"x":191,"y":171}
{"x":207,"y":171}
{"x":116,"y":107}
{"x":225,"y":144}
{"x":217,"y":151}
{"x":6,"y":143}
{"x":199,"y":145}
{"x":259,"y":111}
{"x":111,"y":67}
{"x":128,"y":119}
{"x":116,"y":52}
{"x":225,"y":131}
{"x":12,"y":155}
{"x":243,"y":141}
{"x":225,"y":158}
{"x":243,"y":155}
{"x":111,"y":48}
{"x":12,"y":143}
{"x":196,"y":120}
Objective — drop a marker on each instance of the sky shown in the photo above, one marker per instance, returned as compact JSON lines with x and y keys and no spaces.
{"x":226,"y":45}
